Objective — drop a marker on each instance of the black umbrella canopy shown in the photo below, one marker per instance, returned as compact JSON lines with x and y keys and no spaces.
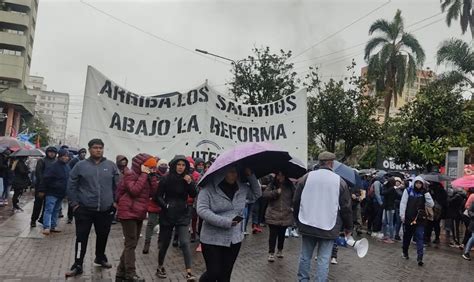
{"x":435,"y":177}
{"x":28,"y":153}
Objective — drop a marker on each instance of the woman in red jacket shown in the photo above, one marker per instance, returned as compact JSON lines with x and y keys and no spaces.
{"x":133,"y":194}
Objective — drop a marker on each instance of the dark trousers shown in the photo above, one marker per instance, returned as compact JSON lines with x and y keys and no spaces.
{"x":17,"y":192}
{"x":38,"y":208}
{"x":430,"y":226}
{"x":84,"y":220}
{"x":416,"y":231}
{"x":276,"y":233}
{"x":467,"y":232}
{"x":131,"y":231}
{"x":166,"y":232}
{"x":70,"y":214}
{"x":219,"y":262}
{"x":378,"y":214}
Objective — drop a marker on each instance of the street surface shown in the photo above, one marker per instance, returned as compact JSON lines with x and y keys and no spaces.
{"x":26,"y":255}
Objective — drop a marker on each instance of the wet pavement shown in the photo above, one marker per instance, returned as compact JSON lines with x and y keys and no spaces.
{"x":26,"y":255}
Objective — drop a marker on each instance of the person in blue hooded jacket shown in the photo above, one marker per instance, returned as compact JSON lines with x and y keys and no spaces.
{"x":54,"y":186}
{"x":413,"y":205}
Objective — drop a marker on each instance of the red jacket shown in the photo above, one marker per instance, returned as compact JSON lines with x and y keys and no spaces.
{"x":134,"y":191}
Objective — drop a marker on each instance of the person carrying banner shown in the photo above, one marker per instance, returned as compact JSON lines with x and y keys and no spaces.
{"x":153,"y":208}
{"x":172,"y":197}
{"x":322,"y":207}
{"x":133,"y":194}
{"x":91,"y":191}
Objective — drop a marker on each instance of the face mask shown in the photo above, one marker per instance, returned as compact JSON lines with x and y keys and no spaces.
{"x":200,"y":170}
{"x":162,"y":169}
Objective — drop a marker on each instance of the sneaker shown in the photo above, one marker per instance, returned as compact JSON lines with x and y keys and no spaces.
{"x":190,"y":277}
{"x":102,"y":263}
{"x":420,"y":261}
{"x":388,"y":241}
{"x":279,"y":254}
{"x":199,"y":248}
{"x":397,"y":238}
{"x":61,"y":215}
{"x":461,"y":247}
{"x":466,"y":256}
{"x":380,"y":236}
{"x":33,"y":224}
{"x":161,"y":272}
{"x":193,"y":238}
{"x":374,"y":234}
{"x":294,"y":233}
{"x":453,"y":245}
{"x":134,"y":278}
{"x":75,"y":271}
{"x":54,"y":230}
{"x":287,"y":233}
{"x":46,"y":232}
{"x":146,"y":248}
{"x":246,"y":233}
{"x":175,"y":243}
{"x":405,"y":256}
{"x":271,"y":257}
{"x":69,"y":221}
{"x":334,"y":261}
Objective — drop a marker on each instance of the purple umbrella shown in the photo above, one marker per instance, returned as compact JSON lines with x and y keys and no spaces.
{"x":262,"y":158}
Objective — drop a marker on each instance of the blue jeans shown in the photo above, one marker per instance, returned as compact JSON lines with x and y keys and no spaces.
{"x":387,"y":227}
{"x":469,"y":244}
{"x":247,"y":214}
{"x":324,"y":255}
{"x":51,"y":212}
{"x":398,"y":222}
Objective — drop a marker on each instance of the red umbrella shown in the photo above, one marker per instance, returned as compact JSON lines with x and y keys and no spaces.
{"x":465,"y":182}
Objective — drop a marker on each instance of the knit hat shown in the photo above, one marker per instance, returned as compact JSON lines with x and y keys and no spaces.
{"x":163,"y":162}
{"x":63,"y":152}
{"x":151,"y":162}
{"x":82,"y":150}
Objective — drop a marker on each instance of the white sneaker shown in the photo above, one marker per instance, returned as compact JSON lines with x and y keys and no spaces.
{"x":380,"y":236}
{"x":334,"y":261}
{"x":294,"y":233}
{"x":287,"y":233}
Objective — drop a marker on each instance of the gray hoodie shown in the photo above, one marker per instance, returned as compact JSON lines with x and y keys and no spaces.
{"x":92,"y":185}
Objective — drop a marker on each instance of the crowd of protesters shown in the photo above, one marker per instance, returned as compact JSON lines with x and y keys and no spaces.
{"x":99,"y":192}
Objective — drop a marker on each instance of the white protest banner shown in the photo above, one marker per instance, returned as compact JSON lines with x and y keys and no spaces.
{"x":199,"y":123}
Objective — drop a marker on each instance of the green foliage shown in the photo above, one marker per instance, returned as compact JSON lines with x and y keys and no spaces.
{"x":37,"y":126}
{"x":459,"y":55}
{"x":368,"y":160}
{"x":425,"y":129}
{"x":395,"y":64}
{"x":264,"y":77}
{"x":459,"y":9}
{"x":337,"y":113}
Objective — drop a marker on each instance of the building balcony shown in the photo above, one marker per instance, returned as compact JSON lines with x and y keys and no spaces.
{"x":13,"y":39}
{"x":26,"y":3}
{"x":14,"y":18}
{"x":11,"y":67}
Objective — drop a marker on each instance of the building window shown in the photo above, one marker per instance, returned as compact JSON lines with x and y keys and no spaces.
{"x":49,"y":98}
{"x":42,"y":104}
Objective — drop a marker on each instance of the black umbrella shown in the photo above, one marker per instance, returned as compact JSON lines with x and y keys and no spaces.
{"x":294,"y":168}
{"x":435,"y":177}
{"x":28,"y":153}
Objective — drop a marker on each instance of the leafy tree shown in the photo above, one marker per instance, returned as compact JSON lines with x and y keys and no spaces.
{"x":37,"y":126}
{"x":459,"y":9}
{"x":460,"y":55}
{"x":395,"y":64}
{"x":425,"y":129}
{"x":337,"y":113}
{"x":263,"y":77}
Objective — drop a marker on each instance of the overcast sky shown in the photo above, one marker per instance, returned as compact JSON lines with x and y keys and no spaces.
{"x":71,"y":35}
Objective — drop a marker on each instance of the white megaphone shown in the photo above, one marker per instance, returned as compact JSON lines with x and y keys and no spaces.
{"x":361,"y":246}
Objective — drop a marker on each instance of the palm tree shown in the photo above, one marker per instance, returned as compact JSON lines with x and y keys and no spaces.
{"x":460,"y":55}
{"x":462,"y":9}
{"x":398,"y":57}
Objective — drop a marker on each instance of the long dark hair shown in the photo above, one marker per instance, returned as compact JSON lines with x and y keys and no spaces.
{"x":287,"y":182}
